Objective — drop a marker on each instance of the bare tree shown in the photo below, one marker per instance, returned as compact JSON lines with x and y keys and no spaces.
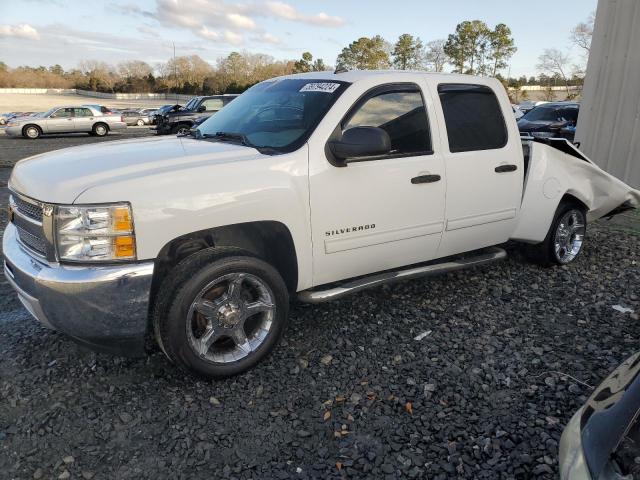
{"x":582,"y":34}
{"x":434,"y":55}
{"x":555,"y":62}
{"x":134,"y":69}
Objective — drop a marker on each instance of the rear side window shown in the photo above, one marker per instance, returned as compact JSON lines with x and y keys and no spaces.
{"x":401,"y":113}
{"x":473,"y":117}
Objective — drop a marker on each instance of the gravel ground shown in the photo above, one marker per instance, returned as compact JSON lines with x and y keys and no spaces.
{"x":350,"y":392}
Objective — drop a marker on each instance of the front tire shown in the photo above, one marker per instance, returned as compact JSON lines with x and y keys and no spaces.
{"x":140,"y":123}
{"x":31,"y":132}
{"x":565,"y":238}
{"x":219,"y":312}
{"x":181,"y":129}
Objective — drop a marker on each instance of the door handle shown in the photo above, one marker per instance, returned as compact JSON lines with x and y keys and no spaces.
{"x":425,"y":179}
{"x":69,"y":119}
{"x":506,"y":168}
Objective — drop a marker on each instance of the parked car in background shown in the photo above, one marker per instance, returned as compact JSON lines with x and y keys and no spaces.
{"x":69,"y":119}
{"x":516,"y":111}
{"x":551,"y":120}
{"x":181,"y":120}
{"x":6,"y":117}
{"x":161,"y":111}
{"x":528,"y":105}
{"x":311,"y":185}
{"x":602,"y":440}
{"x":135,"y":117}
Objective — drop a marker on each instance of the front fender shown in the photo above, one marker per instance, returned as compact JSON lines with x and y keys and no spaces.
{"x":553,"y":174}
{"x":168,"y":204}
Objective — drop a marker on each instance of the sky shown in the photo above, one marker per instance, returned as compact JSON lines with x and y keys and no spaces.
{"x":46,"y":32}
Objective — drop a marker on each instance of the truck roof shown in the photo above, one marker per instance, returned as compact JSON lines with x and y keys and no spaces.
{"x":356,"y":75}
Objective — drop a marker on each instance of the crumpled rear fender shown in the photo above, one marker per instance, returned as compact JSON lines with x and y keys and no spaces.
{"x":552,"y":174}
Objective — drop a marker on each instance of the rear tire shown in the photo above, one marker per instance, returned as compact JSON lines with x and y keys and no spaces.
{"x":140,"y":123}
{"x":220,"y":312}
{"x":100,"y":129}
{"x":31,"y":132}
{"x":565,"y":238}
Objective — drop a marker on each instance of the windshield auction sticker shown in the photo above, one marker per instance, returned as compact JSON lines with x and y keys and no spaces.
{"x":326,"y":87}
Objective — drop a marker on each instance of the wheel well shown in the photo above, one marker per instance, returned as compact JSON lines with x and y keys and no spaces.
{"x":268,"y":240}
{"x":568,"y":198}
{"x":24,"y":129}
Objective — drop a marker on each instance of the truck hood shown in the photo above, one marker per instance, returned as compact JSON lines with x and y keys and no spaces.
{"x":62,"y":175}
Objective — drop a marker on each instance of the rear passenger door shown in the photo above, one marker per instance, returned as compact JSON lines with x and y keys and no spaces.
{"x":484,"y":168}
{"x":83,"y":119}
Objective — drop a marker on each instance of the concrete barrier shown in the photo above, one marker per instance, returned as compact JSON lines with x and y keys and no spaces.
{"x":107,"y":96}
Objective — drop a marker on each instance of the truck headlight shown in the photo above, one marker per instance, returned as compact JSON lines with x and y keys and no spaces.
{"x":95,"y":233}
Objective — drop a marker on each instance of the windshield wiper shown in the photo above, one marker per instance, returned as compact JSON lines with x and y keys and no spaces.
{"x":237,"y":137}
{"x":231,"y":136}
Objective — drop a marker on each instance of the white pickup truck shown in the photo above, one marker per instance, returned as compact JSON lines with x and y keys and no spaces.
{"x":314,"y":185}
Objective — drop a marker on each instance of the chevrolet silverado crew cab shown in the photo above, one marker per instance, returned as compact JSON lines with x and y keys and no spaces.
{"x":313,"y":185}
{"x":179,"y":120}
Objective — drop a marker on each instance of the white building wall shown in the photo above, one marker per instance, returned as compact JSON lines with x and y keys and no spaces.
{"x":609,"y":123}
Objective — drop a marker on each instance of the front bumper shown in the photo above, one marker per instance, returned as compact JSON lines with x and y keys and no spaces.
{"x":104,"y":307}
{"x":162,"y":128}
{"x":13,"y":131}
{"x":573,"y":465}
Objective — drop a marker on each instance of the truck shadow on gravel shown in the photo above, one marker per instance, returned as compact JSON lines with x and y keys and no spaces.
{"x":351,"y":391}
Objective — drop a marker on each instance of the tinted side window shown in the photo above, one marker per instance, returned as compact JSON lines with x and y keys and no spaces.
{"x":569,"y":114}
{"x":401,"y":114}
{"x":473,"y":117}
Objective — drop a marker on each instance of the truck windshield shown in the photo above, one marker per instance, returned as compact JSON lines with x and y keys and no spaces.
{"x":277,"y":115}
{"x":191,"y":104}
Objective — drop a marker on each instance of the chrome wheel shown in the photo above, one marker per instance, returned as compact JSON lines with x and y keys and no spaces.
{"x":140,"y":123}
{"x":101,"y":130}
{"x":32,"y":132}
{"x":183,"y":131}
{"x":569,"y":236}
{"x":230,"y":318}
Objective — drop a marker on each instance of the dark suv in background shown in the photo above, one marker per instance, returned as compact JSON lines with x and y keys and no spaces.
{"x":551,"y":120}
{"x":180,"y":120}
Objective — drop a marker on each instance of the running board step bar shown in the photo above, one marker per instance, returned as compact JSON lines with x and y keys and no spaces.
{"x":489,"y":255}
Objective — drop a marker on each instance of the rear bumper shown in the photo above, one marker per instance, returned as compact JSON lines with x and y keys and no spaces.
{"x":117,"y":126}
{"x":104,"y":307}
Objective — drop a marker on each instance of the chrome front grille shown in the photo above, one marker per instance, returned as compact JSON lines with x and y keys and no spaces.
{"x":34,"y":242}
{"x":34,"y":226}
{"x":28,"y":209}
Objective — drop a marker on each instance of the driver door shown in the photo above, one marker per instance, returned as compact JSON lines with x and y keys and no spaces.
{"x":379,"y":213}
{"x":60,"y":121}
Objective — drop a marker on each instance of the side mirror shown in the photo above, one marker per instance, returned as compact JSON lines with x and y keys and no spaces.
{"x":202,"y":108}
{"x":361,"y":142}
